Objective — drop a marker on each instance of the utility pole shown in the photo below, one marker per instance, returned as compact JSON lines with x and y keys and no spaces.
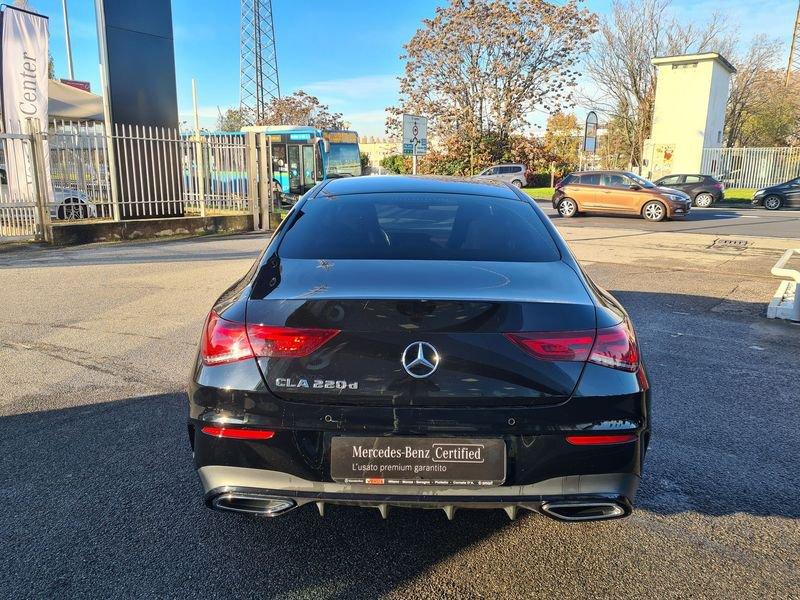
{"x":70,"y":72}
{"x":793,"y":63}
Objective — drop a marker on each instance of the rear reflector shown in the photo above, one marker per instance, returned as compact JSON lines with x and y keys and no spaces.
{"x":237,"y":433}
{"x":228,"y":341}
{"x":600,"y":440}
{"x":613,"y":347}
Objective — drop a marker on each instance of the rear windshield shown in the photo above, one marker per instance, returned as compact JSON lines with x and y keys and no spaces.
{"x":413,"y":226}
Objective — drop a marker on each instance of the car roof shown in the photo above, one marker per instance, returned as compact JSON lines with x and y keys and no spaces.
{"x":417,"y":183}
{"x":599,"y":172}
{"x":684,"y":175}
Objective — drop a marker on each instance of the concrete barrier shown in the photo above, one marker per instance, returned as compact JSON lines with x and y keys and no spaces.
{"x":785,"y":303}
{"x":68,"y":234}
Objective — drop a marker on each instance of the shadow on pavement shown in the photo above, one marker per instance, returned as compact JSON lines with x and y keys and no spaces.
{"x":103,"y":500}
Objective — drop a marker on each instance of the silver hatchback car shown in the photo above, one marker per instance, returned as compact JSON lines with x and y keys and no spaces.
{"x":513,"y":174}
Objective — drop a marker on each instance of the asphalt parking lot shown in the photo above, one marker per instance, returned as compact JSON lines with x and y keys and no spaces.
{"x":100,"y":498}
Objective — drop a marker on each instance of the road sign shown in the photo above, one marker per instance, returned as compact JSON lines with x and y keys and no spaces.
{"x":415,"y":135}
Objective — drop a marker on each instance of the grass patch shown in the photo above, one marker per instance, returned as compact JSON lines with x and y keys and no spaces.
{"x":542,"y":193}
{"x":739,"y":194}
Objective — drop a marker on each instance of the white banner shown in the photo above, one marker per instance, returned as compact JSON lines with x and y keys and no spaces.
{"x":25,"y":94}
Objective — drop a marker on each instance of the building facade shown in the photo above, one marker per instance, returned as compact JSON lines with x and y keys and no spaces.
{"x":689,"y":112}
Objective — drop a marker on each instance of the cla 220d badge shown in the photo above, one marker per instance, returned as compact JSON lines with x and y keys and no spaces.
{"x":420,"y":359}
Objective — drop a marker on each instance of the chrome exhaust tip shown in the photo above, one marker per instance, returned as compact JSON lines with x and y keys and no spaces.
{"x":579,"y":510}
{"x":253,"y":504}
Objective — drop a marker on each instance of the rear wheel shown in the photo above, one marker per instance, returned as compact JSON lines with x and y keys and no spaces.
{"x":517,"y":183}
{"x":567,"y":208}
{"x":654,"y":211}
{"x":773,"y":202}
{"x":704,"y":200}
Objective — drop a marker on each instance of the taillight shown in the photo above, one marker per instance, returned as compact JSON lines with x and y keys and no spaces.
{"x":616,"y":347}
{"x":600,"y":440}
{"x":556,"y":345}
{"x":287,"y":342}
{"x":224,"y":341}
{"x":613,"y":347}
{"x":228,"y":341}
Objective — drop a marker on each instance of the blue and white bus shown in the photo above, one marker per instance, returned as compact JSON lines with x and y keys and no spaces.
{"x":302,"y":156}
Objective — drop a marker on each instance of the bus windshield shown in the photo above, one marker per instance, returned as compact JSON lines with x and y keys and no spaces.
{"x":343,"y":160}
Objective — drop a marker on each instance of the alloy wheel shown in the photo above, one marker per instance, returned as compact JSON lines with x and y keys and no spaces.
{"x":567,"y":208}
{"x":772,"y":202}
{"x":704,"y":200}
{"x":654,"y":211}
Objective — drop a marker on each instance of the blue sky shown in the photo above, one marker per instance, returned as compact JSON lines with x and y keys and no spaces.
{"x":343,"y":51}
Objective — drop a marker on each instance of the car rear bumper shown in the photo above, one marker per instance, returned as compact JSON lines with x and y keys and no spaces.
{"x":541,"y":464}
{"x":600,"y":496}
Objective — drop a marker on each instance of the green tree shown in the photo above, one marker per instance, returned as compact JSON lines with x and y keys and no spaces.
{"x":479,"y":67}
{"x":763,"y":108}
{"x":619,"y":63}
{"x":302,"y":109}
{"x":562,"y":140}
{"x":395,"y":163}
{"x":233,"y":119}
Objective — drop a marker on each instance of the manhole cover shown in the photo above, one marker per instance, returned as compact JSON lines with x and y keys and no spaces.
{"x":730,"y":243}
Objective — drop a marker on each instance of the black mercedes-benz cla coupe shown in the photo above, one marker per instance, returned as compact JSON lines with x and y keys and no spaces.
{"x":419,"y":342}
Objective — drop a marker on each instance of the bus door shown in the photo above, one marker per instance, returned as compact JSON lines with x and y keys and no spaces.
{"x":309,"y":169}
{"x":295,"y":170}
{"x":280,"y":166}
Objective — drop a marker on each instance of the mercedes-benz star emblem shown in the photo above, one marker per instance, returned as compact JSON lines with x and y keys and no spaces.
{"x":420,"y":359}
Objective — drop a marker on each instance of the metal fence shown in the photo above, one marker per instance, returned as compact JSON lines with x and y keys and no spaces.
{"x":20,"y":216}
{"x":161,"y":172}
{"x":751,"y":167}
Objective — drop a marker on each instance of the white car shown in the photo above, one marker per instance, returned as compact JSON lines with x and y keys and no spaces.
{"x":68,"y":204}
{"x":71,"y":205}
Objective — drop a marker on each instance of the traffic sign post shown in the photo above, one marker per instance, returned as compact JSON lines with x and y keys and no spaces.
{"x":415,"y":138}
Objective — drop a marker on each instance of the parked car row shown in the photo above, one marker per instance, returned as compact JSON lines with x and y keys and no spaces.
{"x":618,"y":192}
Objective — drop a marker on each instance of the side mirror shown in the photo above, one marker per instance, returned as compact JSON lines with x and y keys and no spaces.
{"x":634,"y":186}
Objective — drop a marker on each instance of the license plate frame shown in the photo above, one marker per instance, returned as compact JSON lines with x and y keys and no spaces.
{"x":403,"y":461}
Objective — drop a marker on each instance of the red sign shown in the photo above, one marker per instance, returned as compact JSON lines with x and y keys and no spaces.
{"x":81,"y":85}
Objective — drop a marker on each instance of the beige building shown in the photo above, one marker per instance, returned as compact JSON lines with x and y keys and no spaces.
{"x":689,"y":113}
{"x":377,"y":149}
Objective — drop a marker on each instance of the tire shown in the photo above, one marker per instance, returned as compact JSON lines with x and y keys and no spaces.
{"x":517,"y":183}
{"x":654,"y":211}
{"x":568,"y":208}
{"x":72,"y":209}
{"x":773,"y":202}
{"x":703,"y":200}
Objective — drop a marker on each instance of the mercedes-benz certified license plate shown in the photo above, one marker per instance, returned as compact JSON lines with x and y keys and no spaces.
{"x":418,"y":461}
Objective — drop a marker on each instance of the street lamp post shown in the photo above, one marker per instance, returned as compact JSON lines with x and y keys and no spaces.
{"x":67,"y":40}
